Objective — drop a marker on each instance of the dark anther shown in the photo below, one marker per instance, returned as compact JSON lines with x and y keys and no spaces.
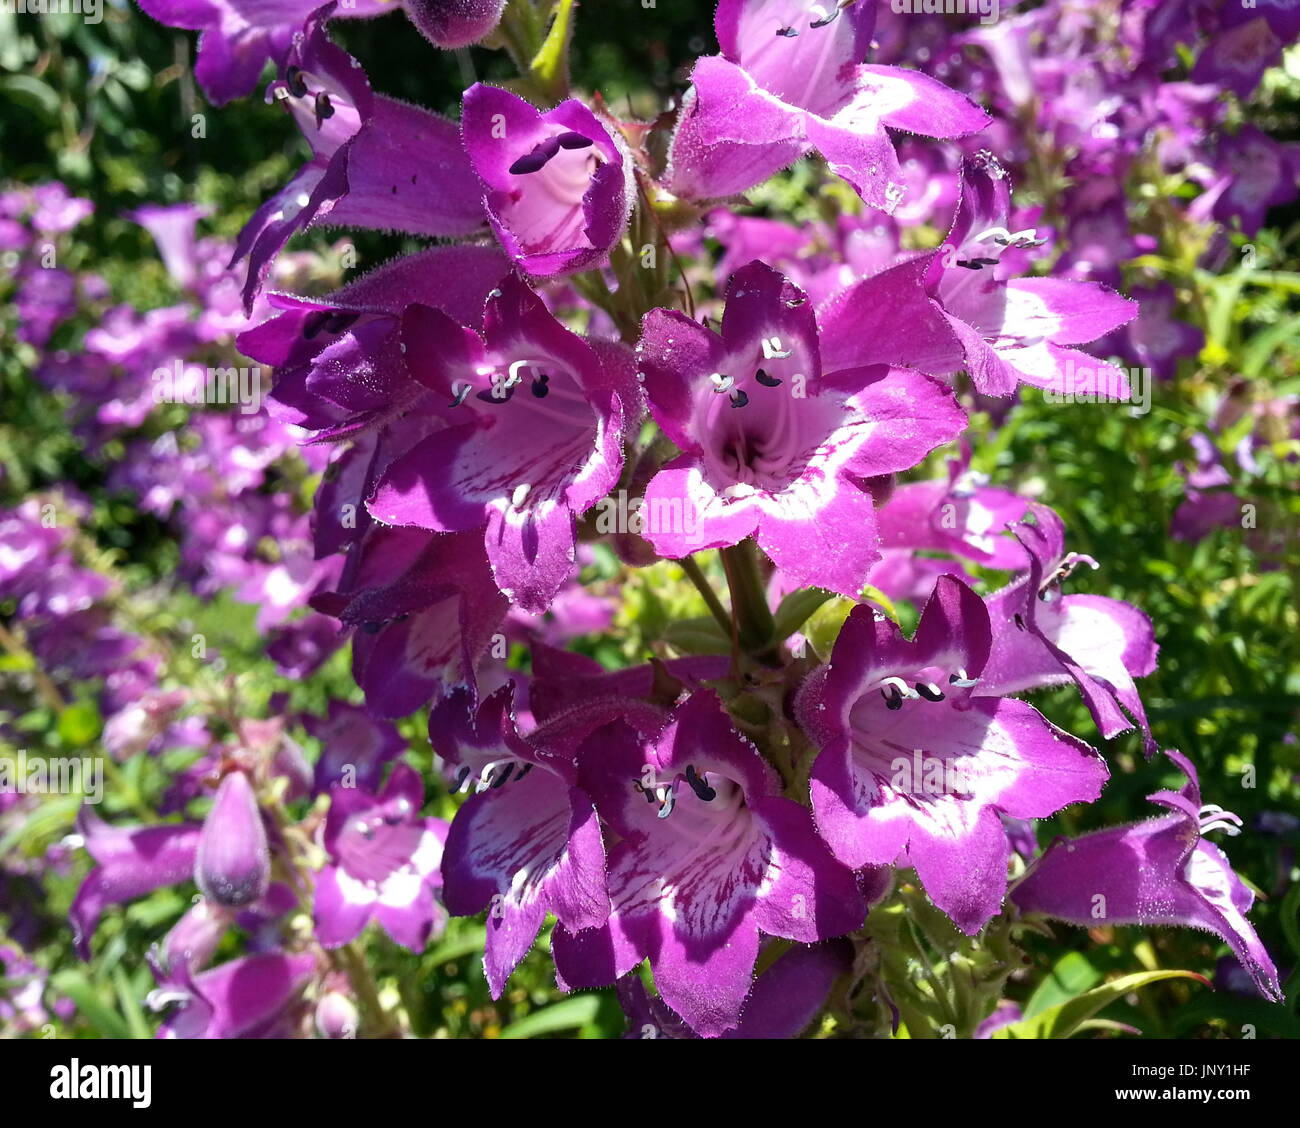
{"x":767,"y":381}
{"x":976,"y":264}
{"x":786,"y":32}
{"x":702,"y":790}
{"x":739,"y":398}
{"x":529,"y":162}
{"x":461,"y":777}
{"x":573,"y":140}
{"x":1020,"y":622}
{"x":826,"y":19}
{"x":795,"y":303}
{"x":373,"y":627}
{"x":294,"y":80}
{"x":537,"y":159}
{"x":646,"y":791}
{"x":893,"y":697}
{"x":324,"y":108}
{"x":502,"y":776}
{"x":496,"y":395}
{"x":540,"y":388}
{"x":929,"y":692}
{"x":462,"y":394}
{"x":524,"y":769}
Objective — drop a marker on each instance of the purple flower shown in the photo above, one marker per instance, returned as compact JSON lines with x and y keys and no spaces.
{"x":355,"y":747}
{"x":54,"y":211}
{"x":1041,"y":637}
{"x":541,"y":418}
{"x":129,"y":862}
{"x":790,"y":78}
{"x":961,"y":514}
{"x":1258,"y":177}
{"x":299,"y":648}
{"x":528,"y":841}
{"x":339,"y":365}
{"x":46,"y":298}
{"x":134,"y":729}
{"x":238,"y":37}
{"x":771,"y":446}
{"x":1161,"y":871}
{"x":1236,"y":57}
{"x":557,"y":185}
{"x":376,"y":162}
{"x":709,"y":858}
{"x":384,"y":864}
{"x":912,"y":764}
{"x":454,"y":23}
{"x":249,"y":997}
{"x":1157,"y":339}
{"x":172,"y":228}
{"x":1015,"y":330}
{"x":425,"y":608}
{"x":233,"y":865}
{"x":781,"y":1005}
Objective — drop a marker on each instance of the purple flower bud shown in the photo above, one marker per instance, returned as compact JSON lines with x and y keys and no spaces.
{"x":194,"y":938}
{"x":454,"y":23}
{"x":336,"y":1016}
{"x":233,"y":865}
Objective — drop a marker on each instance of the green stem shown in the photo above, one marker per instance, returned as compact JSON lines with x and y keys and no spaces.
{"x":749,"y":597}
{"x":377,"y":1019}
{"x":702,"y":585}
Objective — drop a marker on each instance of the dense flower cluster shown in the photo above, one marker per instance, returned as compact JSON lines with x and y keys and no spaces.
{"x":735,"y":806}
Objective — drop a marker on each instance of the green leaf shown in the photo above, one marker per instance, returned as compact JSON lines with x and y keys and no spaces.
{"x":795,"y":608}
{"x":106,"y":1021}
{"x":33,"y":94}
{"x":1071,"y":976}
{"x":567,"y":1014}
{"x":126,"y":997}
{"x":697,"y":636}
{"x":1064,"y":1019}
{"x":550,"y":66}
{"x":1260,"y":349}
{"x":823,"y":625}
{"x":79,"y":724}
{"x":878,"y":597}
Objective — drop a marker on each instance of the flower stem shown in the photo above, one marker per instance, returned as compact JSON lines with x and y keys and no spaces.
{"x":378,"y":1021}
{"x":696,"y":575}
{"x":749,"y":597}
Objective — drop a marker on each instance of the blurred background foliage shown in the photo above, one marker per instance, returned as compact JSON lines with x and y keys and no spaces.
{"x":109,"y":109}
